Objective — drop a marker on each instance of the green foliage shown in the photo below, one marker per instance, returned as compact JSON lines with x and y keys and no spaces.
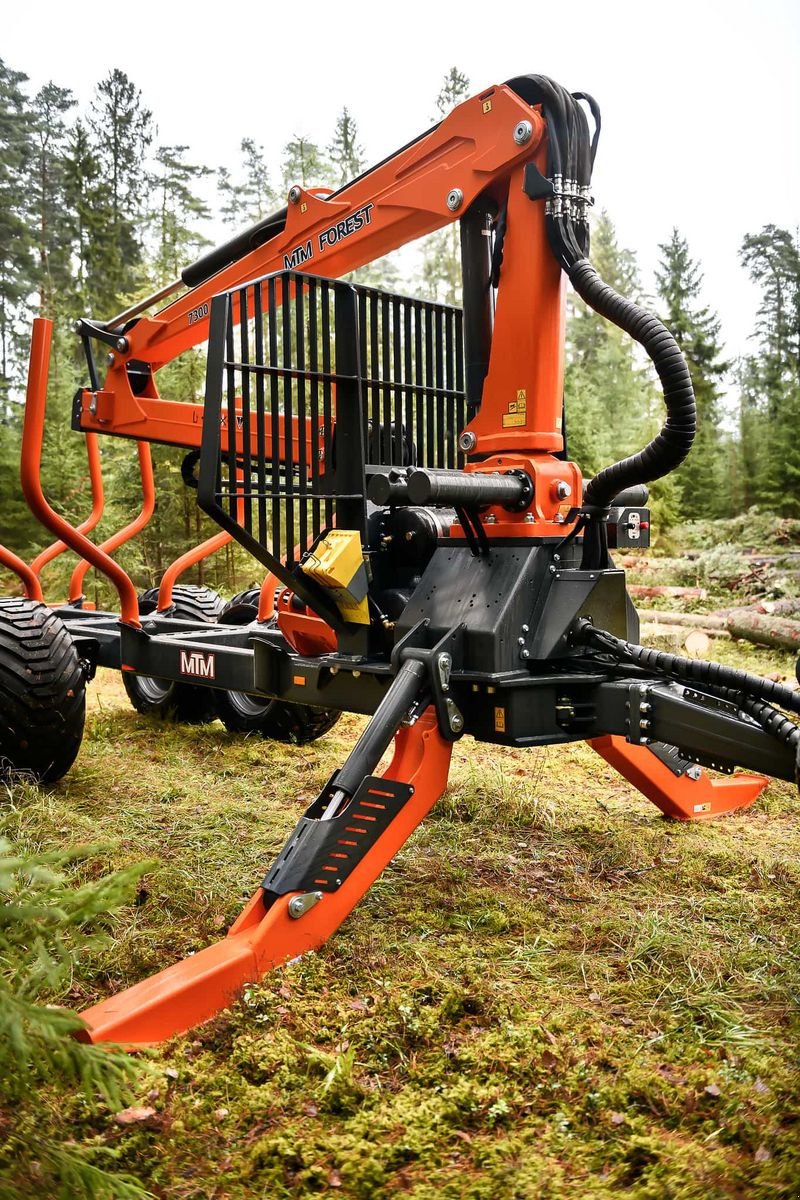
{"x":679,"y":280}
{"x":304,"y":163}
{"x":48,"y":920}
{"x":770,"y":380}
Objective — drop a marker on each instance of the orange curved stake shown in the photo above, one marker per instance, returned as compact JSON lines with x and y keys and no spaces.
{"x":98,"y":504}
{"x":128,"y":531}
{"x":189,"y":559}
{"x":30,"y":475}
{"x":199,"y":987}
{"x":28,"y":578}
{"x":266,"y":601}
{"x":678,"y":796}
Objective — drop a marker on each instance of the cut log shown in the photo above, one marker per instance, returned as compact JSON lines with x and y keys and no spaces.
{"x":683,"y":593}
{"x":765,"y":630}
{"x":704,"y":621}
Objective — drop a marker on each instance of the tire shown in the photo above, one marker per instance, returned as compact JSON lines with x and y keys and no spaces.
{"x":277,"y":720}
{"x":42,"y":693}
{"x":182,"y":702}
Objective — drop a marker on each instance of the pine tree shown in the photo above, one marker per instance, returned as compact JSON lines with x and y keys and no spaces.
{"x":679,"y":279}
{"x":344,"y":152}
{"x":441,"y":251}
{"x":46,"y":922}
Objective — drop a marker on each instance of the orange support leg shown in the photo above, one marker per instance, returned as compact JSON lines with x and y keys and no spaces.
{"x":678,"y":796}
{"x":199,"y":987}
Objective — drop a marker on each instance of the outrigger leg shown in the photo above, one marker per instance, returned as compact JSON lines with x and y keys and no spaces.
{"x":678,"y":787}
{"x":346,"y":838}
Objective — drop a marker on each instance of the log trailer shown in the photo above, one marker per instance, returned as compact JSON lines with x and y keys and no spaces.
{"x":399,"y":468}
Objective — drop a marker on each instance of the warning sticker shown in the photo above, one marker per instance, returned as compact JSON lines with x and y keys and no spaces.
{"x":516,"y":414}
{"x":499,"y":720}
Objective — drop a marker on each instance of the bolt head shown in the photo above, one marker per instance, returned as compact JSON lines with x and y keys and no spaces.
{"x":563,"y":489}
{"x":523,"y":132}
{"x":110,"y":360}
{"x":467,"y":441}
{"x":122,"y":344}
{"x":455,"y":199}
{"x":294,"y":194}
{"x":77,"y":326}
{"x":524,"y":653}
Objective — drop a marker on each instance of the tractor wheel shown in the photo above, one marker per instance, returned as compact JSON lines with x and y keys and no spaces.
{"x":242,"y":712}
{"x":42,"y":693}
{"x":183,"y":702}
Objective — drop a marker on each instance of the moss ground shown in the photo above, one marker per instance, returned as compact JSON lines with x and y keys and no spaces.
{"x":552,"y":992}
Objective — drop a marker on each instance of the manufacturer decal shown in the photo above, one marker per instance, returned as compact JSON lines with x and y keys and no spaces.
{"x":194,"y":662}
{"x":329,"y":237}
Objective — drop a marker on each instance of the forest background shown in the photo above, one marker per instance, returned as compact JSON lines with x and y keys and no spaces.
{"x":96,"y":213}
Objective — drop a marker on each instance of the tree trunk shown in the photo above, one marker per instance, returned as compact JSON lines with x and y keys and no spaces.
{"x":765,"y":630}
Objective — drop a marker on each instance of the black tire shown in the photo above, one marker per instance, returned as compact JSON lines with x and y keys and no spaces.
{"x":42,"y":693}
{"x":277,"y":720}
{"x":182,"y":702}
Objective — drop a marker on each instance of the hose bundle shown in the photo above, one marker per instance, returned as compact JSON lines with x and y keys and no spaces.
{"x":571,"y":154}
{"x":752,"y":694}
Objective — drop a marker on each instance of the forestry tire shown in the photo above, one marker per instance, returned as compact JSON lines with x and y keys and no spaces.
{"x":42,"y":693}
{"x":184,"y":703}
{"x":275,"y":720}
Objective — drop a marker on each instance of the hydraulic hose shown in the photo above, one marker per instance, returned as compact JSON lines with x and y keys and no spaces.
{"x":751,"y":693}
{"x":668,"y":450}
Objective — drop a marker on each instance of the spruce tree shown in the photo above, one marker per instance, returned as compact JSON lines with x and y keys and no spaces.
{"x":52,"y":219}
{"x":122,"y":130}
{"x":17,"y":270}
{"x":345,"y":154}
{"x":770,"y":379}
{"x":304,"y":163}
{"x":679,"y":282}
{"x":248,"y":196}
{"x":175,"y":220}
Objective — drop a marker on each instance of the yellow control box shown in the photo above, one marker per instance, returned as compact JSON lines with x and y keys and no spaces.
{"x":337,"y":563}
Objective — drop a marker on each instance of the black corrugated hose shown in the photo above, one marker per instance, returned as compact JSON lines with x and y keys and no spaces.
{"x":751,"y":693}
{"x":570,"y":160}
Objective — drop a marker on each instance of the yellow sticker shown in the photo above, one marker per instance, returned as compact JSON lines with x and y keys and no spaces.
{"x":487,"y":106}
{"x":499,"y":720}
{"x":512,"y":420}
{"x":303,"y":207}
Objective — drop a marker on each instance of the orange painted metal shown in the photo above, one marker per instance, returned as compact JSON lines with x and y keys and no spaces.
{"x":305,"y":632}
{"x":678,"y":796}
{"x":30,"y":475}
{"x":523,"y":391}
{"x":128,"y":531}
{"x":199,"y":987}
{"x":210,"y":546}
{"x":472,"y":150}
{"x":266,"y":599}
{"x":546,"y":516}
{"x":30,"y":581}
{"x":98,"y":505}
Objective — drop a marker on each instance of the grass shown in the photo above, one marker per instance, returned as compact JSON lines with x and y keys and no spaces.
{"x":551,"y":993}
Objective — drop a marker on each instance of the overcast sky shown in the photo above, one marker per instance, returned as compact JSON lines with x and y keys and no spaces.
{"x":700,"y":100}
